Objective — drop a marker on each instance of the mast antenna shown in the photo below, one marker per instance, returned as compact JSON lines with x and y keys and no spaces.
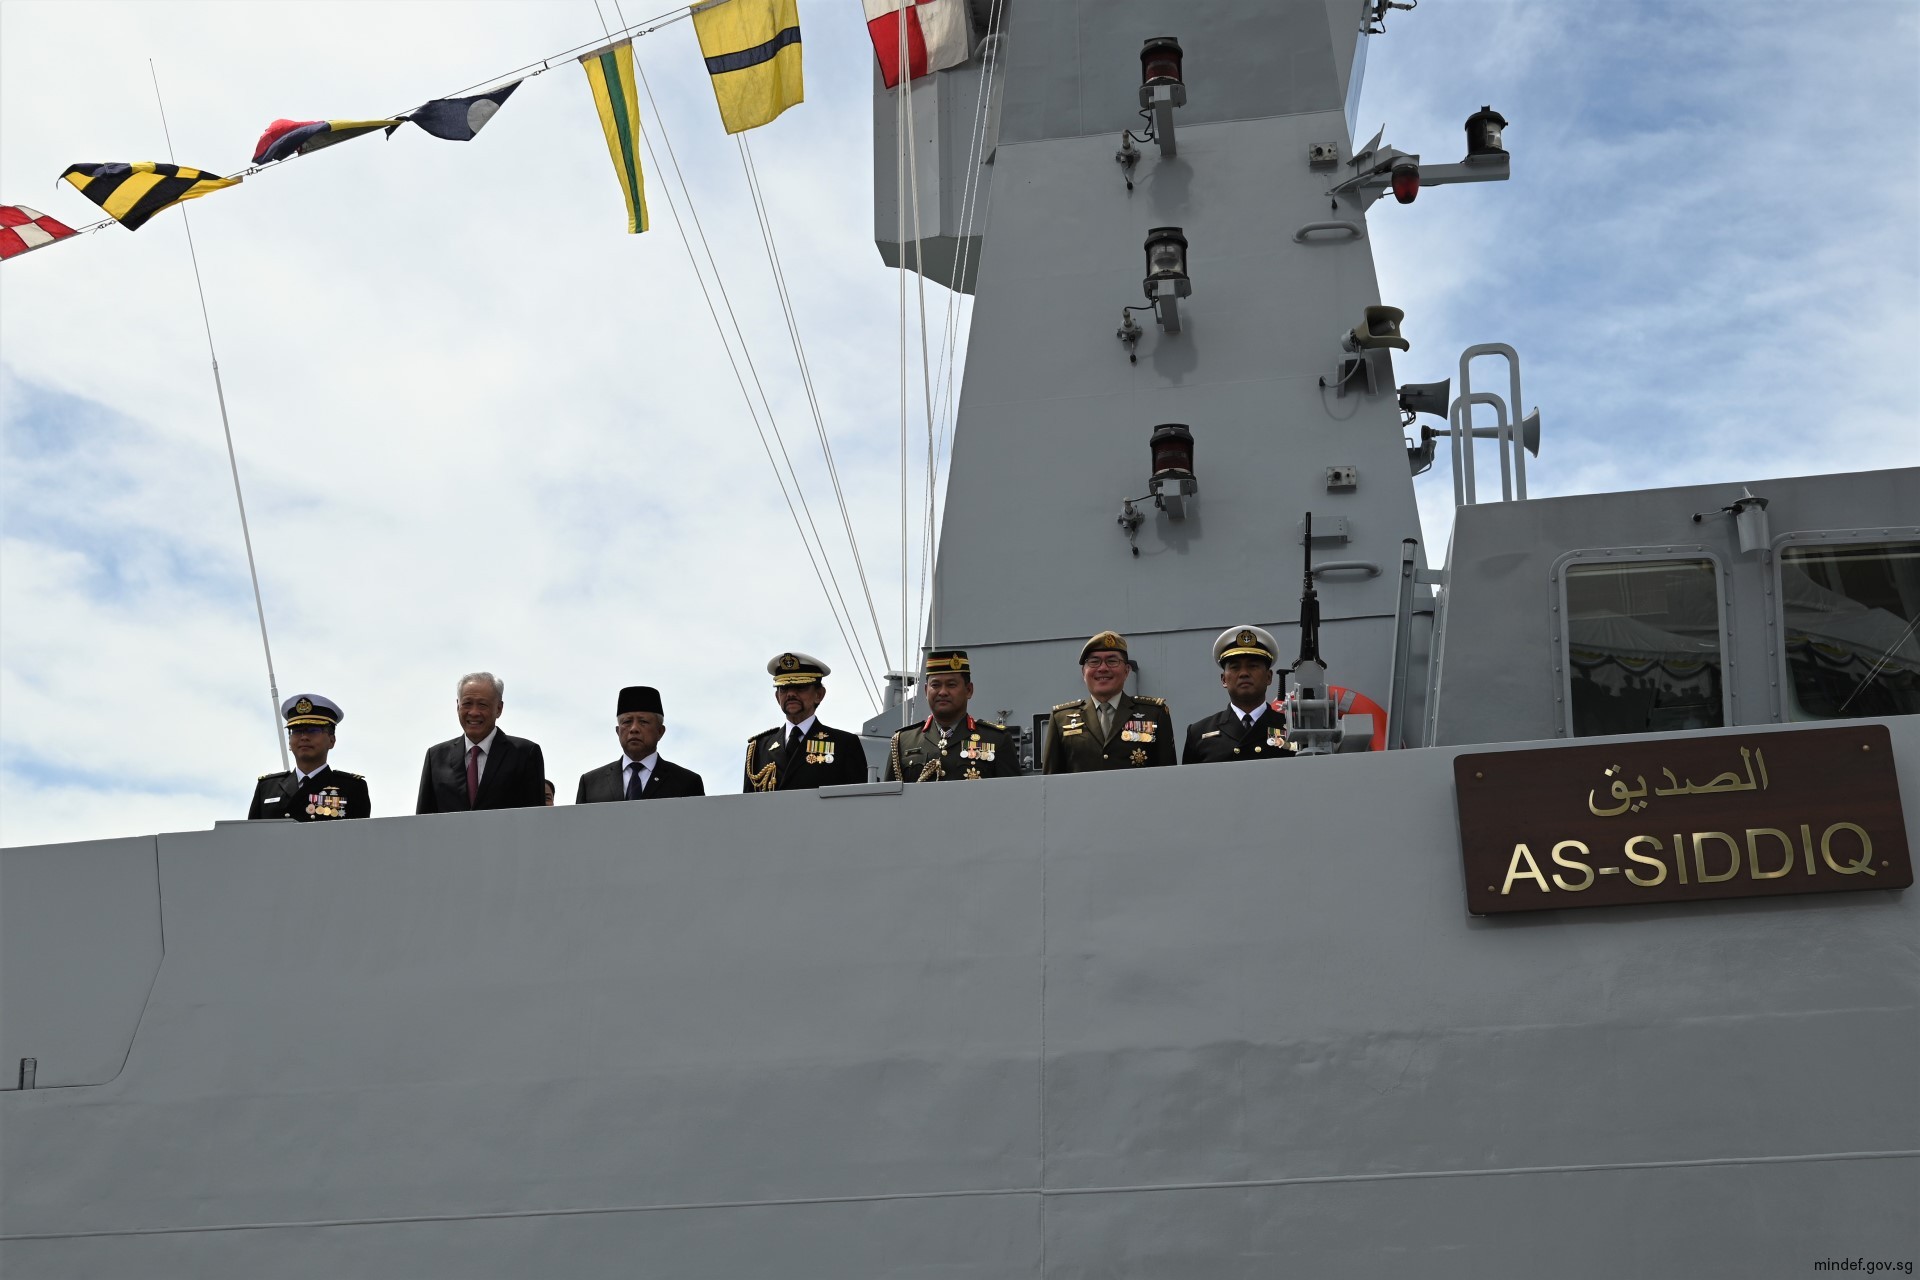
{"x":220,"y":393}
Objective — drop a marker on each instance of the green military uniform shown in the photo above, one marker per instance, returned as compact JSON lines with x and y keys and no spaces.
{"x":1142,"y":736}
{"x":971,"y":749}
{"x":1139,"y":734}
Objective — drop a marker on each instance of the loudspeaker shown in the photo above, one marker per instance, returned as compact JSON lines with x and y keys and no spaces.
{"x":1427,"y":397}
{"x":1380,"y":328}
{"x":1529,"y":433}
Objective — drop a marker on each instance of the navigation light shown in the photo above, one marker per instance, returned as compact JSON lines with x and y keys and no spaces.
{"x":1406,"y":181}
{"x":1161,"y":87}
{"x":1483,"y":134}
{"x":1167,"y":281}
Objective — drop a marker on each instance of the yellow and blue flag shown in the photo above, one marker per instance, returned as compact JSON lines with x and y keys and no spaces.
{"x":134,"y":192}
{"x":610,"y":75}
{"x":752,"y":48}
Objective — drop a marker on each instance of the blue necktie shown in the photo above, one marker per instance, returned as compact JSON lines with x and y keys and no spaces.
{"x":633,"y":781}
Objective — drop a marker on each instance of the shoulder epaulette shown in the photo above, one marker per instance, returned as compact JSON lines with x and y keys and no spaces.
{"x":995,"y":723}
{"x":1158,"y":702}
{"x":280,"y":774}
{"x":357,"y":777}
{"x":1067,"y":706}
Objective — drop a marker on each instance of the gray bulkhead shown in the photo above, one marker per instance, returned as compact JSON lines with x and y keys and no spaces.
{"x":1054,"y":421}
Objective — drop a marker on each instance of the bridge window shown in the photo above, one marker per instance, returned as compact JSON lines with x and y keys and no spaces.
{"x":1851,"y":612}
{"x":1643,"y":646}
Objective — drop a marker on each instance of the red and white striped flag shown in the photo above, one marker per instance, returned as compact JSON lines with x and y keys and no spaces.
{"x":936,"y":35}
{"x":23,"y":230}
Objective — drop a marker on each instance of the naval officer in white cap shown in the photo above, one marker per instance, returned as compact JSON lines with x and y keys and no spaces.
{"x":313,"y":790}
{"x":802,"y":753}
{"x":1251,"y":728}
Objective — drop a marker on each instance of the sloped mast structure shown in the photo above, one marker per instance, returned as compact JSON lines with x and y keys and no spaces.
{"x":1192,"y":1022}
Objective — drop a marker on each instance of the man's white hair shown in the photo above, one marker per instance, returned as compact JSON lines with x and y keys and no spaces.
{"x":499,"y":685}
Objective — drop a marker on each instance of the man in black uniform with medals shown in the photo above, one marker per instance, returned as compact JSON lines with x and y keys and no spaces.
{"x":951,"y":745}
{"x":312,"y":791}
{"x":1251,"y":728}
{"x":1109,"y":728}
{"x":802,"y":753}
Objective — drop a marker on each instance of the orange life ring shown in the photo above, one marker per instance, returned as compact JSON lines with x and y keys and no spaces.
{"x":1353,"y":702}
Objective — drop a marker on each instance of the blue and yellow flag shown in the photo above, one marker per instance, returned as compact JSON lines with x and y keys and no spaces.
{"x":752,"y":48}
{"x":610,"y":74}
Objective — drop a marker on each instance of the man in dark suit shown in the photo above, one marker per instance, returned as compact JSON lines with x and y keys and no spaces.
{"x":1109,"y":728}
{"x":802,"y":753}
{"x":640,"y":774}
{"x":483,"y":768}
{"x":313,"y":790}
{"x":1251,"y":728}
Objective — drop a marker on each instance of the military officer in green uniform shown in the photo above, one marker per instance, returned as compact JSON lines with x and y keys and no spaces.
{"x":1251,"y":728}
{"x":1109,"y":728}
{"x":313,"y":790}
{"x":951,"y":745}
{"x":802,"y":753}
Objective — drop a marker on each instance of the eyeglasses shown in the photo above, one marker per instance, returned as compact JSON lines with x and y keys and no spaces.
{"x":1108,"y":663}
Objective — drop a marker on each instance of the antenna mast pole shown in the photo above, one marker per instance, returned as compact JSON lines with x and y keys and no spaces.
{"x":233,"y":464}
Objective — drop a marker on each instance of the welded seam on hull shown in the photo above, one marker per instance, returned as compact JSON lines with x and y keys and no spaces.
{"x":1721,"y":1162}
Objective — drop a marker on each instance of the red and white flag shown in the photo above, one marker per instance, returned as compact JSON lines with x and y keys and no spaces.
{"x":23,"y":230}
{"x":936,"y":35}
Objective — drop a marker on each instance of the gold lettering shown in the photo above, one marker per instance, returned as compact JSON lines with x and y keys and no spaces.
{"x":1700,"y":856}
{"x":1866,"y":850}
{"x":1680,"y":857}
{"x":1753,"y":852}
{"x":1561,"y":880}
{"x":1806,"y":842}
{"x":1520,"y":851}
{"x":1655,"y":863}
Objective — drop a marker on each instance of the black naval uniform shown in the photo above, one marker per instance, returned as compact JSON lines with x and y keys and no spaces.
{"x":1142,"y":736}
{"x":825,"y":758}
{"x":973,"y":749}
{"x":1225,"y":736}
{"x":327,"y":795}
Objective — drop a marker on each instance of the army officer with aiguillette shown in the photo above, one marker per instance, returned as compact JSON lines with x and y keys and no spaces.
{"x":313,"y":790}
{"x":802,"y":753}
{"x":951,"y":745}
{"x":1109,"y":728}
{"x":1251,"y":728}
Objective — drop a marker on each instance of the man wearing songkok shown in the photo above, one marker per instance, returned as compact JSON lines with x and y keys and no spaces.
{"x":802,"y":753}
{"x":951,"y":745}
{"x":483,"y":768}
{"x":640,"y":774}
{"x":1251,"y":728}
{"x":1109,"y":728}
{"x":313,"y":790}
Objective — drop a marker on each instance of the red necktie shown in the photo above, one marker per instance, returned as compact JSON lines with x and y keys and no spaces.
{"x":473,"y":775}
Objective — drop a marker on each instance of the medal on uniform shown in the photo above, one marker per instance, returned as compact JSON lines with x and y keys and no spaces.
{"x":1139,"y":755}
{"x":820,"y":751}
{"x":972,"y":771}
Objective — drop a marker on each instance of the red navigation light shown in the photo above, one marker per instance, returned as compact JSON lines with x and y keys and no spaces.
{"x":1172,"y":451}
{"x":1406,"y":182}
{"x":1160,"y":60}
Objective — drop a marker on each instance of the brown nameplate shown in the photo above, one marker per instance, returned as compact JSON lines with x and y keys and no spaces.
{"x":1681,"y":820}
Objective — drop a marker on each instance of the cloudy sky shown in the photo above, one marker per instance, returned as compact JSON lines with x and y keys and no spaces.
{"x":480,"y":426}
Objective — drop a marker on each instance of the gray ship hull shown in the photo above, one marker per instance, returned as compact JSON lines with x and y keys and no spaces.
{"x":1214,"y":1021}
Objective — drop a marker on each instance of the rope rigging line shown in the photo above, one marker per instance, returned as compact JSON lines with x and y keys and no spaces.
{"x":855,"y":647}
{"x":950,"y":339}
{"x":226,"y":428}
{"x":903,"y":92}
{"x":926,"y":370}
{"x":765,"y":221}
{"x":835,"y":601}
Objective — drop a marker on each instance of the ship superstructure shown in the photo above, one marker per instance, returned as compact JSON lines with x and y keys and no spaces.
{"x":1185,"y":1022}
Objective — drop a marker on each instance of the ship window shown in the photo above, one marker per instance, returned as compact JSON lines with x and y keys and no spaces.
{"x":1851,"y":614}
{"x":1643,"y":646}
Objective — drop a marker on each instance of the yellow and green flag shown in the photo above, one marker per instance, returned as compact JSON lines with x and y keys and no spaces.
{"x":610,"y":75}
{"x":752,"y":48}
{"x":134,"y":192}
